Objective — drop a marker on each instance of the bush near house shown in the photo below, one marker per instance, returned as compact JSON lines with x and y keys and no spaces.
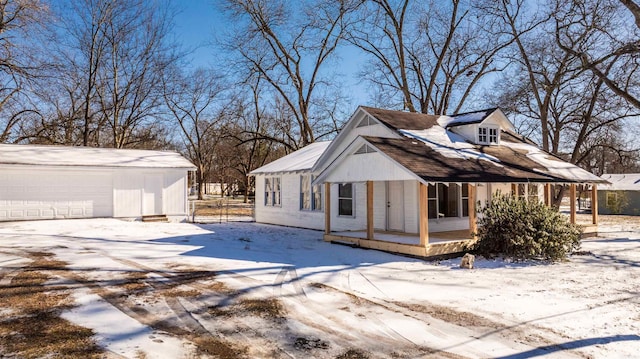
{"x":522,"y":229}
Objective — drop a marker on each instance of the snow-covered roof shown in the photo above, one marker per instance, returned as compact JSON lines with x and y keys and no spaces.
{"x":621,"y":182}
{"x":551,"y":165}
{"x":492,"y":115}
{"x":37,"y":155}
{"x":448,"y":144}
{"x":300,"y":160}
{"x":467,"y":118}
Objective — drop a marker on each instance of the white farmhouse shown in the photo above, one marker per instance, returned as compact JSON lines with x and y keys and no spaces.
{"x":49,"y":182}
{"x":409,"y":182}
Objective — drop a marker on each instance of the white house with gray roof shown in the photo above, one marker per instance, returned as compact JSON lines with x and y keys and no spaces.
{"x":409,"y":182}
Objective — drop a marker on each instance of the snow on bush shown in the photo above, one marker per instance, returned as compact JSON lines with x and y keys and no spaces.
{"x":520,"y":229}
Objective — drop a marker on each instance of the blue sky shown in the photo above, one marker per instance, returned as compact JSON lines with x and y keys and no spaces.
{"x":198,"y":21}
{"x":195,"y":26}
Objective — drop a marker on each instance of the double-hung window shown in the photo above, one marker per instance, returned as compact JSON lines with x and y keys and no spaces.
{"x":316,"y":197}
{"x":268,"y":194}
{"x":272,"y":191}
{"x":310,"y":196}
{"x":533,"y":192}
{"x":345,"y":199}
{"x":305,"y":192}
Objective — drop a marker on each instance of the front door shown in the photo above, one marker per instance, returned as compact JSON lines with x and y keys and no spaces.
{"x":395,"y":206}
{"x":152,"y":196}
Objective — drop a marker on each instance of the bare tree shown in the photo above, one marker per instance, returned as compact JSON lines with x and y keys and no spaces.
{"x":19,"y":61}
{"x":591,"y":31}
{"x":252,"y":131}
{"x":570,"y":111}
{"x":137,"y":53}
{"x":196,"y":103}
{"x":288,"y":45}
{"x":109,"y":58}
{"x":634,"y":8}
{"x":431,"y":57}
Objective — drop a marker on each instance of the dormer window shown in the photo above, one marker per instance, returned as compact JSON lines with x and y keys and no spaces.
{"x":488,"y":135}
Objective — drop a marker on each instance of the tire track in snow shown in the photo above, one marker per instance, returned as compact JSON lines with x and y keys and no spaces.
{"x":190,"y":316}
{"x":336,"y":325}
{"x":279,"y":282}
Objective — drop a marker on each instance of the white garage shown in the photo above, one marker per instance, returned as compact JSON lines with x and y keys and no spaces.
{"x":50,"y":182}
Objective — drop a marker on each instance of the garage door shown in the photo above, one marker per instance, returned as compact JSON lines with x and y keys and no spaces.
{"x":55,"y":194}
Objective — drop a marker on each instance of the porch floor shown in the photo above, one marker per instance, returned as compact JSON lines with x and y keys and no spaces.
{"x":409,"y":238}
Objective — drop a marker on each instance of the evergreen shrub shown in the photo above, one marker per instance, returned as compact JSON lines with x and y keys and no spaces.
{"x":520,"y":229}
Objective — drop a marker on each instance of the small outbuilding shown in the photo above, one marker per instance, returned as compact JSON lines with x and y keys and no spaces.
{"x":51,"y":182}
{"x":621,"y":196}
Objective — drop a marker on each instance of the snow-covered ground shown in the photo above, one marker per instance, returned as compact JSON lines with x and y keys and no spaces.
{"x":336,"y":298}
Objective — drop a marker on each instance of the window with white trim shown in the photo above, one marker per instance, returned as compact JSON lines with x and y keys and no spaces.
{"x":316,"y":197}
{"x":448,"y":200}
{"x":522,"y":189}
{"x":310,"y":196}
{"x":465,"y":200}
{"x":533,"y":193}
{"x":345,"y":199}
{"x":488,"y":135}
{"x":305,"y":192}
{"x":276,"y":191}
{"x":272,"y":191}
{"x":482,"y":135}
{"x":268,"y":195}
{"x":493,"y":135}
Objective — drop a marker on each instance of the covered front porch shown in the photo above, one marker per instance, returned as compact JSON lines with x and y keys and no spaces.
{"x":436,"y":242}
{"x":423,"y":243}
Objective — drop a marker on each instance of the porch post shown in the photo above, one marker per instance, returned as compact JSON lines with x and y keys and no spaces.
{"x":547,"y":194}
{"x":369,"y":209}
{"x":473,"y":220}
{"x":572,"y":199}
{"x":594,"y":204}
{"x":327,"y":208}
{"x":423,"y":214}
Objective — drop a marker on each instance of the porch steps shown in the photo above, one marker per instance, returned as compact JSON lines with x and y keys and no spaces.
{"x":155,"y":218}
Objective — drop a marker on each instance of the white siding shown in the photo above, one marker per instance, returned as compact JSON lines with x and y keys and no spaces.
{"x":346,"y":136}
{"x":466,"y":131}
{"x":129,"y":189}
{"x":482,"y":194}
{"x":503,"y":188}
{"x":411,"y":206}
{"x":289,"y":213}
{"x":128,"y":193}
{"x":368,"y":166}
{"x":175,"y":193}
{"x":448,"y":224}
{"x":359,"y":220}
{"x":40,"y":192}
{"x":379,"y":205}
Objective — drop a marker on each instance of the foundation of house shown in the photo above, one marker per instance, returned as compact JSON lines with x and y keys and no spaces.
{"x":440,"y":243}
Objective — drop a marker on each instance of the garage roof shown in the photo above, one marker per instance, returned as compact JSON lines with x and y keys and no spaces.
{"x":38,"y":155}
